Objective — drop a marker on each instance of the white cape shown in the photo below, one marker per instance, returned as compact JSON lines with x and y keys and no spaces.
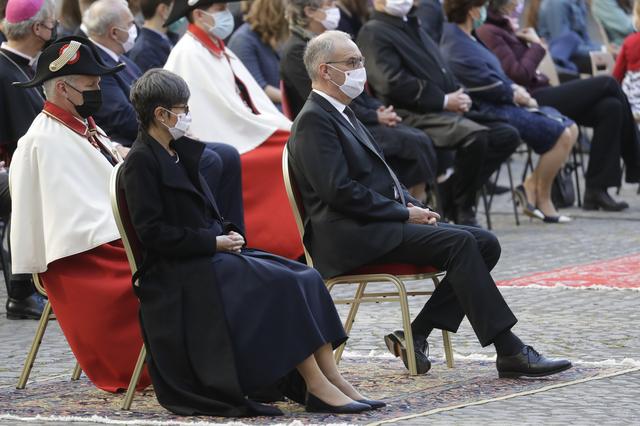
{"x":60,"y":204}
{"x":217,"y":110}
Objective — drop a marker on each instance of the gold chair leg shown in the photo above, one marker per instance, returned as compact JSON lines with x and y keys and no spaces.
{"x":351,"y":318}
{"x":37,"y":340}
{"x":77,"y":371}
{"x":448,"y":350}
{"x":406,"y":325}
{"x":135,"y":378}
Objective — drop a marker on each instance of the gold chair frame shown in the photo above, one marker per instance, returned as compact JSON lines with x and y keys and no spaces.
{"x":47,"y":315}
{"x":362,"y":280}
{"x":116,"y":208}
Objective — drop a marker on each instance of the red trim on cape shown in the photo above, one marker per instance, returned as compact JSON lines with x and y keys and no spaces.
{"x":66,"y":118}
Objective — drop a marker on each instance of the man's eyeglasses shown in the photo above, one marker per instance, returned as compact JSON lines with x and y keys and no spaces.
{"x":351,"y":62}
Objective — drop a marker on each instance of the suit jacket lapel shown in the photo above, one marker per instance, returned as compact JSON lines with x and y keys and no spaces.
{"x":359,"y":135}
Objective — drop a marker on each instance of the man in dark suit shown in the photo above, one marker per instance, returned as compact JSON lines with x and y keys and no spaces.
{"x":154,"y":43}
{"x":405,"y":69}
{"x":110,"y":27}
{"x":358,"y":213}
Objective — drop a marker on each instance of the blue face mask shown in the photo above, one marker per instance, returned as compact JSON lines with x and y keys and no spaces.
{"x":477,"y":23}
{"x":224,"y":23}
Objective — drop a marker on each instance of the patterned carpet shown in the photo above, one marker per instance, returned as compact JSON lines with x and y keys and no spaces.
{"x":379,"y":378}
{"x":623,"y":273}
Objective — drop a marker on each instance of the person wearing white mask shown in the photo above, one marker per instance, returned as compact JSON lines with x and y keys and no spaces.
{"x":357,"y":214}
{"x":409,"y":151}
{"x":229,"y":106}
{"x":111,"y":28}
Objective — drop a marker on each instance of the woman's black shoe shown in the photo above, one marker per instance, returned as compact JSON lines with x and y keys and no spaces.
{"x":372,"y":403}
{"x":527,"y":208}
{"x":316,"y":405}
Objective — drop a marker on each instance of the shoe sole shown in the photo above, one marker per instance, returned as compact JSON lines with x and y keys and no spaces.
{"x":516,"y":374}
{"x":21,"y":317}
{"x":595,"y":207}
{"x":396,"y":347}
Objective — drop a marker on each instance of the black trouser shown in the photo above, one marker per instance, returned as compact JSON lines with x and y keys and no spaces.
{"x":599,"y":102}
{"x":467,"y":254}
{"x":477,"y":161}
{"x":18,"y":286}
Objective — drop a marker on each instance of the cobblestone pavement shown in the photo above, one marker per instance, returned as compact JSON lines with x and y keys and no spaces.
{"x":585,"y":325}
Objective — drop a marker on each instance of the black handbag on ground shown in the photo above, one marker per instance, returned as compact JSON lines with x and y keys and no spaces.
{"x":562,"y":192}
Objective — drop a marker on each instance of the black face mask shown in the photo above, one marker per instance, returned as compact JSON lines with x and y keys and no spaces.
{"x":92,"y":101}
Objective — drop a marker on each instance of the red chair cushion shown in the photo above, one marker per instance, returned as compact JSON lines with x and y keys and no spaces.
{"x":394,"y":269}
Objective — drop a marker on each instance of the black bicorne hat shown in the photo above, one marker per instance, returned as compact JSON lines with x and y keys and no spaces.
{"x":69,"y":56}
{"x":182,"y":8}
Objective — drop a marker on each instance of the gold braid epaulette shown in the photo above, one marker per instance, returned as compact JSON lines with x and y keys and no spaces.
{"x":65,"y":57}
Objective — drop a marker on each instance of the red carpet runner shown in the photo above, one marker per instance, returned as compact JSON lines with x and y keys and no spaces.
{"x":623,"y":272}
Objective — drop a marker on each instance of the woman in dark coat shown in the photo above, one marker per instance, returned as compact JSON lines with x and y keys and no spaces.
{"x":220,"y":321}
{"x":549,"y":134}
{"x":596,"y":102}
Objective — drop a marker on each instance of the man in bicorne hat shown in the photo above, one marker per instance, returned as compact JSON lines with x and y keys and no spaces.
{"x":62,"y":224}
{"x":229,"y":106}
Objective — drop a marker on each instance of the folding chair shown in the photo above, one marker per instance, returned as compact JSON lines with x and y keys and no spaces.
{"x":133,"y":249}
{"x":47,"y":315}
{"x":394,"y":274}
{"x":487,"y":199}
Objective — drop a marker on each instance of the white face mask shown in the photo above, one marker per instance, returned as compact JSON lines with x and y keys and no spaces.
{"x":399,"y":8}
{"x":131,"y":39}
{"x":331,"y":18}
{"x":223,"y":23}
{"x":182,"y":124}
{"x":354,"y":82}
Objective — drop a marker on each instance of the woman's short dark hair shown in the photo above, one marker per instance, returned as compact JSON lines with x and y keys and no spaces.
{"x":157,"y":88}
{"x":457,"y":10}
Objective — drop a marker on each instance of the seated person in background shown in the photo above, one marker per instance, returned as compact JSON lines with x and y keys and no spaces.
{"x":256,"y":43}
{"x":615,"y":16}
{"x":431,"y":17}
{"x":409,"y":151}
{"x":207,"y":302}
{"x":229,"y":106}
{"x":62,"y":225}
{"x":110,"y":26}
{"x":154,"y":42}
{"x":596,"y":102}
{"x":627,"y":69}
{"x":405,"y":68}
{"x":563,"y":25}
{"x":357,"y":213}
{"x":353,"y":13}
{"x":544,"y":129}
{"x":29,"y":27}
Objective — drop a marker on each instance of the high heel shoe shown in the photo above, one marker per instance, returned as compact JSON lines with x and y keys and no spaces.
{"x":316,"y":405}
{"x":527,"y":208}
{"x":555,"y":219}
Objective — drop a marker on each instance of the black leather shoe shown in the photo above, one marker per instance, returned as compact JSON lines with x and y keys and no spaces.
{"x":596,"y":199}
{"x":29,"y":308}
{"x":396,"y":344}
{"x":372,"y":403}
{"x":528,"y":362}
{"x":316,"y":405}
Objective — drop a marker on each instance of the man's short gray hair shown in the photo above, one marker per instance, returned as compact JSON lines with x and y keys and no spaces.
{"x":20,"y":30}
{"x":102,"y":15}
{"x":295,"y":11}
{"x":49,"y":86}
{"x":157,"y":88}
{"x":320,"y":49}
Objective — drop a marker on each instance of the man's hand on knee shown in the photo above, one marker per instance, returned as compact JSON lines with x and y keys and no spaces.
{"x":422,"y":216}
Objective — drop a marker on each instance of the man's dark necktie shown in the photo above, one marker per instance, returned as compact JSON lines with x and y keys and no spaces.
{"x":360,"y":131}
